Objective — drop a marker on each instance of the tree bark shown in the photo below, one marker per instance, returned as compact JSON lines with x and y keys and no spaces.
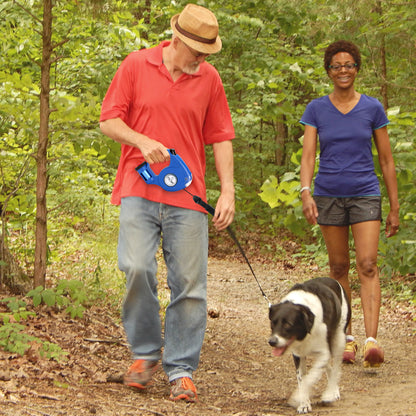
{"x":42,"y":152}
{"x":383,"y":64}
{"x":12,"y":275}
{"x":280,"y":140}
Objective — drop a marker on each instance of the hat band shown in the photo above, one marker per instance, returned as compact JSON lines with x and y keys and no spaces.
{"x":194,"y":37}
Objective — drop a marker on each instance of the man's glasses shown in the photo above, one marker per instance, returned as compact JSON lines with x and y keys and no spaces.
{"x":348,"y":67}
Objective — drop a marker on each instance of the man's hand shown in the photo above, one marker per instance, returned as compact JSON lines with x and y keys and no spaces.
{"x":224,"y":211}
{"x":152,"y":150}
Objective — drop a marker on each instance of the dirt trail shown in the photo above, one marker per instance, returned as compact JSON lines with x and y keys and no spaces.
{"x":237,"y":374}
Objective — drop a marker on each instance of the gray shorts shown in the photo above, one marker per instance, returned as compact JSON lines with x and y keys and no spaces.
{"x":347,"y":211}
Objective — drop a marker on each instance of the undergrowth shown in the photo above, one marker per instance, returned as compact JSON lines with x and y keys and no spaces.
{"x":13,"y":337}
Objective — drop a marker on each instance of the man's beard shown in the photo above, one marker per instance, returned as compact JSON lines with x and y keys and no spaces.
{"x":191,"y":69}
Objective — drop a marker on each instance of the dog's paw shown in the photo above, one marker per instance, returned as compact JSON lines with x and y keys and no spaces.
{"x":330,"y":395}
{"x":301,"y":404}
{"x":304,"y":408}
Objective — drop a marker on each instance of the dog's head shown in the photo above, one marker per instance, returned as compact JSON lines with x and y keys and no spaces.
{"x":289,"y":322}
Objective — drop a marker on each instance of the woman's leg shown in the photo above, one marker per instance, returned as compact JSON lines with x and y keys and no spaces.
{"x":336,"y":240}
{"x":366,"y":238}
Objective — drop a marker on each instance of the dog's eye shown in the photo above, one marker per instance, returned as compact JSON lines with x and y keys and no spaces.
{"x":287,"y":324}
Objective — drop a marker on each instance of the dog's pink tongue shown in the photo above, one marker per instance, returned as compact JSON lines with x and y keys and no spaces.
{"x":278,"y":351}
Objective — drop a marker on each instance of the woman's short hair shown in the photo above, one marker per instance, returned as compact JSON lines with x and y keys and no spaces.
{"x":342,"y":46}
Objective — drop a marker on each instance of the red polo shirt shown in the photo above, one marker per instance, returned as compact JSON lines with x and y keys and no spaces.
{"x":184,"y":115}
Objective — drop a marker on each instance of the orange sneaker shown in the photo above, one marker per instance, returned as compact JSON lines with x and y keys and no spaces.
{"x":373,"y":354}
{"x":183,"y":389}
{"x":350,"y":350}
{"x":140,"y":373}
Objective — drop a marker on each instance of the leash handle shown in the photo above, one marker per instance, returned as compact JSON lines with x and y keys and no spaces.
{"x":211,"y":210}
{"x":206,"y":206}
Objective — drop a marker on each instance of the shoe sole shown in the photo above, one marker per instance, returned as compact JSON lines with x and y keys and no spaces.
{"x":184,"y":397}
{"x":373,"y":359}
{"x":369,"y":364}
{"x":137,"y":385}
{"x":348,"y":359}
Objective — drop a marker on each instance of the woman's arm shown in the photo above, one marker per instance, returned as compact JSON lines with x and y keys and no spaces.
{"x":307,"y":167}
{"x":385,"y":157}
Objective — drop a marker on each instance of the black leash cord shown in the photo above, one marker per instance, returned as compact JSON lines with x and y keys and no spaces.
{"x":211,"y":210}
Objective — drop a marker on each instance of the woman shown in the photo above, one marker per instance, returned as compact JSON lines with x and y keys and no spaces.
{"x":346,"y":189}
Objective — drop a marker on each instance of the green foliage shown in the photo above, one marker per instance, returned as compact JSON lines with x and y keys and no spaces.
{"x":18,"y":309}
{"x":71,"y":294}
{"x":398,"y":253}
{"x":13,"y":337}
{"x":14,"y":304}
{"x":285,"y":195}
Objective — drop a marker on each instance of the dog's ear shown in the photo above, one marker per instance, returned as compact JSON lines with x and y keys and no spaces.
{"x":272,"y":310}
{"x":309,"y":318}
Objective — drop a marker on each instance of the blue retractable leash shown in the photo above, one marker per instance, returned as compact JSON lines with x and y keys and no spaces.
{"x":176,"y":177}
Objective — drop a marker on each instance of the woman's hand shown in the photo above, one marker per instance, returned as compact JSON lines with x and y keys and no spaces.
{"x":392,"y":224}
{"x":310,"y":211}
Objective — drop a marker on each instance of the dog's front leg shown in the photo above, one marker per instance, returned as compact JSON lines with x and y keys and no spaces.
{"x":331,"y":393}
{"x":300,"y":398}
{"x":311,"y":379}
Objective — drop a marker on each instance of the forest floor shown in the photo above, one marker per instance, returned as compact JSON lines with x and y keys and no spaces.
{"x":237,"y":374}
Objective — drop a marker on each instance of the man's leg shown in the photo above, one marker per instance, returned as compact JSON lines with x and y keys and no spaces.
{"x":185,"y":247}
{"x":139,"y":239}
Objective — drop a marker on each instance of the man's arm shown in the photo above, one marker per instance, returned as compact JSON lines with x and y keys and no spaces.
{"x":224,"y":162}
{"x":152,"y":150}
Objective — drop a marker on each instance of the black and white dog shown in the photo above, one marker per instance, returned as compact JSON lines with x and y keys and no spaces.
{"x":311,"y":321}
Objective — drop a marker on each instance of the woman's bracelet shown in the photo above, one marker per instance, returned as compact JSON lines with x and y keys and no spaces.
{"x":305,"y":188}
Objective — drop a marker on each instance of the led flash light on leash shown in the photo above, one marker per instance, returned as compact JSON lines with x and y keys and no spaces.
{"x":176,"y":177}
{"x":172,"y":178}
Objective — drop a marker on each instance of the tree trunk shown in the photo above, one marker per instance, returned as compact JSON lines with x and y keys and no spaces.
{"x":42,"y":155}
{"x":384,"y":92}
{"x":280,"y":140}
{"x":383,"y":64}
{"x":12,"y":276}
{"x":144,"y":13}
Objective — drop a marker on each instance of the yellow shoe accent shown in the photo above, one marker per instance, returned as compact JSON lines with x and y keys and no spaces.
{"x":373,"y":355}
{"x":350,"y":350}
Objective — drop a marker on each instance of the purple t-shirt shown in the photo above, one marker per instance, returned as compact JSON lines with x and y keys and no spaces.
{"x":346,"y":166}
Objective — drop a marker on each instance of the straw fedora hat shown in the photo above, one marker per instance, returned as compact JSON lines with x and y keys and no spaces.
{"x":198,"y":28}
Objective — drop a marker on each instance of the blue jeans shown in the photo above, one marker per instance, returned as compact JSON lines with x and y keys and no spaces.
{"x":185,"y":249}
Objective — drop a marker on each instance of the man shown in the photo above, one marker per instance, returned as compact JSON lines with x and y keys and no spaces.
{"x":168,"y":97}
